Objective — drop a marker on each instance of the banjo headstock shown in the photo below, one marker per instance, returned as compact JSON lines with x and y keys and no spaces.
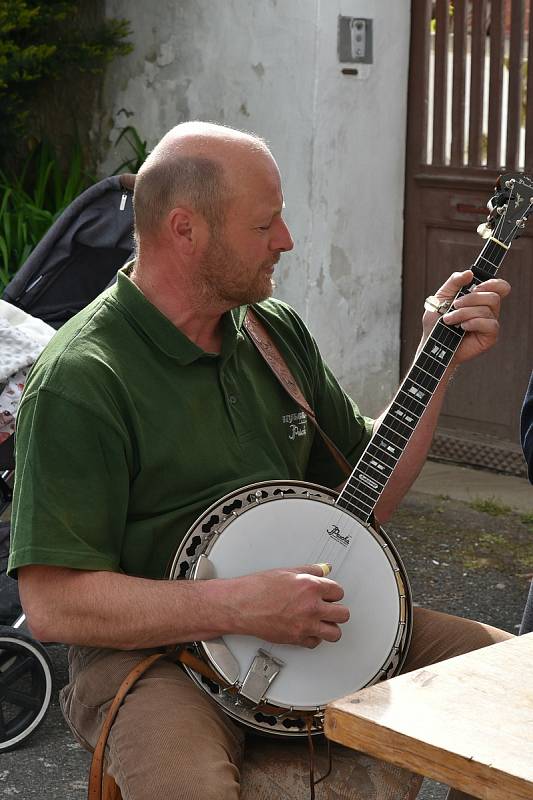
{"x":509,"y":208}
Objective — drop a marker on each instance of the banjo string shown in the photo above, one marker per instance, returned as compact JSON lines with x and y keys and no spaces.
{"x":327,"y":551}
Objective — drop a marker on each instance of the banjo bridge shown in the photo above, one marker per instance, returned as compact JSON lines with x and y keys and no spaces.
{"x":264,"y":668}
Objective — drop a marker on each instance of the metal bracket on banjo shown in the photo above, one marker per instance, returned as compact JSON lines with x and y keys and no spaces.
{"x":262,"y":672}
{"x":203,"y":569}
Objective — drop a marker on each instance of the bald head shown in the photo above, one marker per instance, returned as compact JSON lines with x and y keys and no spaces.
{"x":198,"y":165}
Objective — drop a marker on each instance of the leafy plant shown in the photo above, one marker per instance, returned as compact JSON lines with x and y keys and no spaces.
{"x":138,"y":146}
{"x":31,"y":202}
{"x":49,"y":41}
{"x":492,"y":506}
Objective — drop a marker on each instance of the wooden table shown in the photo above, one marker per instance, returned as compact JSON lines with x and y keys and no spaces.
{"x":467,"y":722}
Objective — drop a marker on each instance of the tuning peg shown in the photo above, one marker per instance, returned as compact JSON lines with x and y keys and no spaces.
{"x":484,"y":230}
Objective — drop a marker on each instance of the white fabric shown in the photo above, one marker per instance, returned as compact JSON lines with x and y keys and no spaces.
{"x":9,"y":403}
{"x":22,"y":338}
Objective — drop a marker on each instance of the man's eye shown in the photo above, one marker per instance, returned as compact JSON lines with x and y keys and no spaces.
{"x":263,"y":227}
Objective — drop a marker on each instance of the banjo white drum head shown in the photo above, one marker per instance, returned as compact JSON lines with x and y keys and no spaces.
{"x":290,"y":532}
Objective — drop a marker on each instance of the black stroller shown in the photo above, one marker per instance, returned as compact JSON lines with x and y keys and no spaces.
{"x":77,"y":258}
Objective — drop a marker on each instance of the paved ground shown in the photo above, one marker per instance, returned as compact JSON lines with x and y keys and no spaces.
{"x":470,"y":555}
{"x":471,"y":485}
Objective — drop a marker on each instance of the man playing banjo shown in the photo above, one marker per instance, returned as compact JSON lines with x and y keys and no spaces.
{"x":152,"y":404}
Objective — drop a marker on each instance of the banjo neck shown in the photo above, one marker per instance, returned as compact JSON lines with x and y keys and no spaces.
{"x":366,"y":483}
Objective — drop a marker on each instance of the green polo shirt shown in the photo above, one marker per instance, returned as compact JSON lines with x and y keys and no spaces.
{"x":128,"y":431}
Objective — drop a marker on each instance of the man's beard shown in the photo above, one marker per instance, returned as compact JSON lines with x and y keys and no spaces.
{"x":226,"y":278}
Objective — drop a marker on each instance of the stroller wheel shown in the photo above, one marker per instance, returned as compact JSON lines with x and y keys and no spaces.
{"x":25,"y":686}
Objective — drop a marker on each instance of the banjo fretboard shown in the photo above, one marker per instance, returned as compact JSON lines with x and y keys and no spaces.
{"x":373,"y":470}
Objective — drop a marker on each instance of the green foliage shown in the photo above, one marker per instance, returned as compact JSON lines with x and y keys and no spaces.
{"x":30,"y":203}
{"x":42,"y":40}
{"x":492,"y":506}
{"x":139,"y":148}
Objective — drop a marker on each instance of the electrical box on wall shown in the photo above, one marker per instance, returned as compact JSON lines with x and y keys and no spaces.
{"x":355,"y":40}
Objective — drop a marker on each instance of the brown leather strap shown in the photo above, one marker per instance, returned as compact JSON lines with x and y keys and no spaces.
{"x":192,"y":661}
{"x":277,"y":364}
{"x":97,"y":765}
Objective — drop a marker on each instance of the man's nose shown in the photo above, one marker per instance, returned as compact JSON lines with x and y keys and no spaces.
{"x":282,"y":240}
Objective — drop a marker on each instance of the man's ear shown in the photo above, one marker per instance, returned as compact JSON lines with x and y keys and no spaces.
{"x":182,"y":224}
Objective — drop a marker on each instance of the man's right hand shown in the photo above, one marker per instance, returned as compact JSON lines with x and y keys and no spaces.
{"x":107,"y":609}
{"x":289,"y":606}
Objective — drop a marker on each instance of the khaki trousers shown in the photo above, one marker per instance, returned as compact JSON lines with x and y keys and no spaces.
{"x":170,"y":741}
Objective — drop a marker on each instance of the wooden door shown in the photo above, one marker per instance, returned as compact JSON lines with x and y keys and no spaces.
{"x":470,"y":118}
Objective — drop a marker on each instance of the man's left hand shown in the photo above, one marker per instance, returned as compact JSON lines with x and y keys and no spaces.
{"x":476,"y":313}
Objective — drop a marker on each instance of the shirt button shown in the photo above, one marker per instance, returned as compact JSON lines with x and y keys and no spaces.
{"x":232,"y":399}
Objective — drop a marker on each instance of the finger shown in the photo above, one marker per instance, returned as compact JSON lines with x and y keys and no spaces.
{"x":331,"y":591}
{"x":320,"y":570}
{"x":482,"y":304}
{"x":334,"y":612}
{"x":329,"y":632}
{"x":455,"y":282}
{"x":457,"y":317}
{"x":497,"y":285}
{"x":490,"y":299}
{"x":486,"y":327}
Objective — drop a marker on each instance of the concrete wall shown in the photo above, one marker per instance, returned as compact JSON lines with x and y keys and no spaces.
{"x":271,"y":66}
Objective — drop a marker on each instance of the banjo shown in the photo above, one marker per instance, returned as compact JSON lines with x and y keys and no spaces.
{"x":283,"y":689}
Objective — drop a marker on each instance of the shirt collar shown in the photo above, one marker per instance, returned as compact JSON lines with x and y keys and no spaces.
{"x":160,"y":330}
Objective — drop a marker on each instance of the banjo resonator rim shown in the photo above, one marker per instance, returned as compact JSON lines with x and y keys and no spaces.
{"x":280,"y":719}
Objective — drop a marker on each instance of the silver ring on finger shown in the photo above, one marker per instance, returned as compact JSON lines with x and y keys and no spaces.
{"x":434,"y":304}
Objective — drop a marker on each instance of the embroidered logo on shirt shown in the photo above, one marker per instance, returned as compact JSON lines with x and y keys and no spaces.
{"x":297,"y":423}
